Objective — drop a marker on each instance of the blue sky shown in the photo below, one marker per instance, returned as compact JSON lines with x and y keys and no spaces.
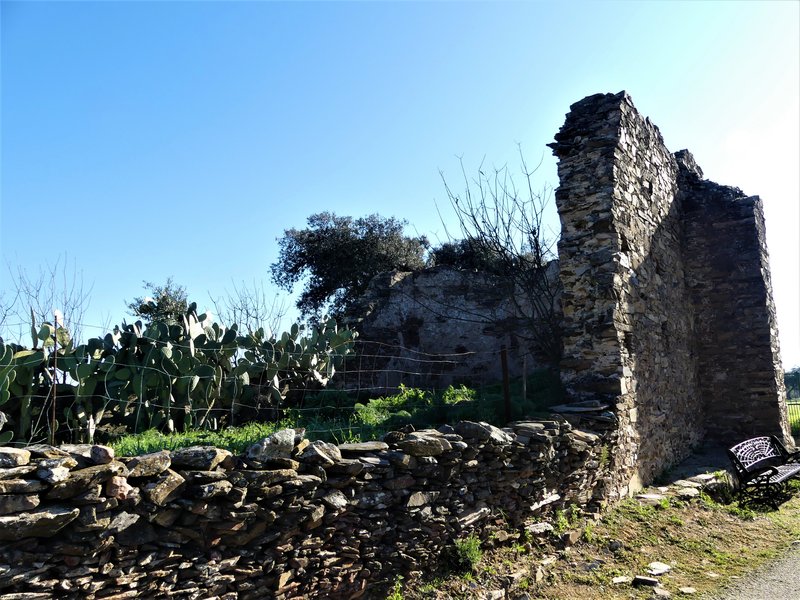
{"x":154,"y":139}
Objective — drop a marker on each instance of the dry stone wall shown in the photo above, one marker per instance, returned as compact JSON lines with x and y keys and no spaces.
{"x":655,"y":263}
{"x":288,"y":519}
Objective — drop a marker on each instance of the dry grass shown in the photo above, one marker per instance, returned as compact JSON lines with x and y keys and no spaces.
{"x":708,"y":545}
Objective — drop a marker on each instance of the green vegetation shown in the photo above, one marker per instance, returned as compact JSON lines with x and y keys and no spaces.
{"x":165,"y":303}
{"x":397,"y":589}
{"x":337,"y":257}
{"x":792,"y":380}
{"x":235,"y":439}
{"x":179,"y":377}
{"x":467,"y":554}
{"x":335,"y":416}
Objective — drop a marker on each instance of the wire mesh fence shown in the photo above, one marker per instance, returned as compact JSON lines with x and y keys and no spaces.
{"x":376,"y":387}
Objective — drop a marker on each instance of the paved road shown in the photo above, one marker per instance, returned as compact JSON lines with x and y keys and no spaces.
{"x":779,"y":580}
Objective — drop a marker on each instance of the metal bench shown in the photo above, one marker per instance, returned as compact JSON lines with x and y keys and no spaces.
{"x":763,"y":467}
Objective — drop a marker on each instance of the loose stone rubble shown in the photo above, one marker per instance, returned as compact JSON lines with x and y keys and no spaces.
{"x":288,"y":519}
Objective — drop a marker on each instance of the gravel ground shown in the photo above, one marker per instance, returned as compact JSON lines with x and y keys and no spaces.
{"x":779,"y":580}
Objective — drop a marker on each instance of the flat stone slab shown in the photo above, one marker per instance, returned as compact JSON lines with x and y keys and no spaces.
{"x":651,"y":499}
{"x":40,"y":523}
{"x":687,"y":483}
{"x":361,"y":447}
{"x":685,"y":493}
{"x":149,"y":465}
{"x":579,"y":407}
{"x":657,"y":568}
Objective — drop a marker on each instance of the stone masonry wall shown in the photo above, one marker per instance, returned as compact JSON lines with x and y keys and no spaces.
{"x":650,"y":286}
{"x":431,"y":329}
{"x":289,"y":519}
{"x":735,"y":325}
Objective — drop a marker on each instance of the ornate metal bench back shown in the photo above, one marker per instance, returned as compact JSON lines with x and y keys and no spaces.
{"x":757,"y":450}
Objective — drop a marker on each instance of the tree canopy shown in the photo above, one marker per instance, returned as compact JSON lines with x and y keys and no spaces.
{"x":338,"y":256}
{"x":164,"y":304}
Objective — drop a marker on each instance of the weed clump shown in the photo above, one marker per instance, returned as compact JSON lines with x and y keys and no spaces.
{"x":467,"y":554}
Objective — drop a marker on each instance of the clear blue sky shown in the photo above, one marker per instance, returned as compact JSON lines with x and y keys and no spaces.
{"x":156,"y":139}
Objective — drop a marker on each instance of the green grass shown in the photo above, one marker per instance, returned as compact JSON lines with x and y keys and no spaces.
{"x":235,"y":439}
{"x":794,"y":416}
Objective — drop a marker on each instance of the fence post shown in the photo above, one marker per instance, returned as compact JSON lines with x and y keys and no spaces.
{"x":524,"y":377}
{"x":506,"y":389}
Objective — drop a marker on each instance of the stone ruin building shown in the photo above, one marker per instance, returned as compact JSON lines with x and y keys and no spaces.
{"x":669,"y":339}
{"x":667,"y":303}
{"x":668,"y":310}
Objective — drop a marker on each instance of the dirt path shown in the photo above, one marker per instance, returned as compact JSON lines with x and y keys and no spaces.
{"x":779,"y":580}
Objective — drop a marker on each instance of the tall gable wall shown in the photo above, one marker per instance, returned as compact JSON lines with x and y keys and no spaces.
{"x":649,"y":294}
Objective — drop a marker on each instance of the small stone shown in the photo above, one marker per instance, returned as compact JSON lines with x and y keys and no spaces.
{"x":660,"y":592}
{"x":18,"y":503}
{"x":421,"y":499}
{"x":615,"y":545}
{"x":621,"y":579}
{"x":213,"y":489}
{"x":279,"y":445}
{"x":687,"y":493}
{"x":122,"y":521}
{"x":336,"y":500}
{"x":13,"y":457}
{"x":570,"y":538}
{"x":642,"y":580}
{"x":483,"y":432}
{"x":16,"y":472}
{"x":650,"y":499}
{"x":53,"y":474}
{"x":260,"y":479}
{"x":687,"y":590}
{"x":681,"y":483}
{"x":321,"y":453}
{"x":657,"y":568}
{"x":119,"y":488}
{"x":20,"y":486}
{"x":167,"y":488}
{"x":425,"y":443}
{"x":539,"y":528}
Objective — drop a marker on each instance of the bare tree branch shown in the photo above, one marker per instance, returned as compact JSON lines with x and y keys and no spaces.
{"x":251,"y":308}
{"x":507,"y":223}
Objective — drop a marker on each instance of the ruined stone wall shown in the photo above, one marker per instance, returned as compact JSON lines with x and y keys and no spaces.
{"x":628,"y":314}
{"x":289,"y":519}
{"x":650,"y":291}
{"x":735,"y":325}
{"x":434,"y":328}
